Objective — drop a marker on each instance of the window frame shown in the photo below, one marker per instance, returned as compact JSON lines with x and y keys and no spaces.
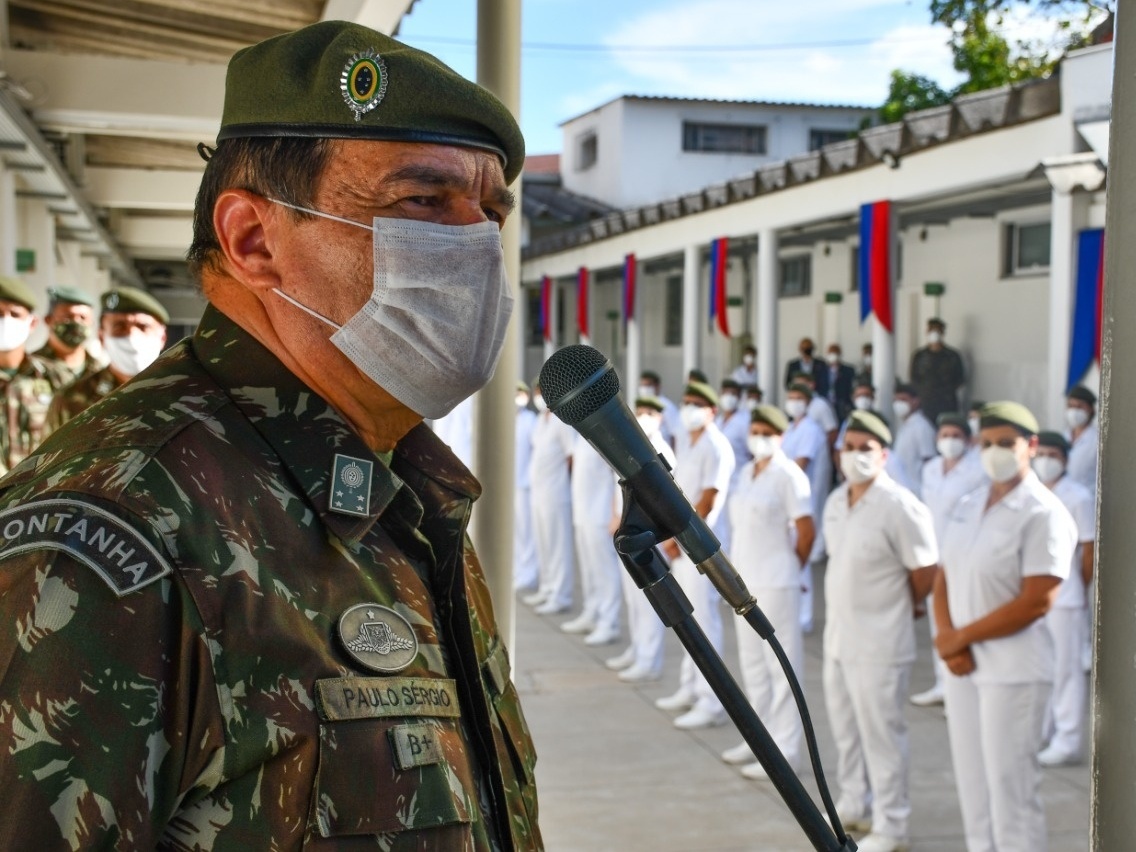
{"x":692,"y":131}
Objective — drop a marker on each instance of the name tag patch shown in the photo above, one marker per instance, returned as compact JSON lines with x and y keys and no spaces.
{"x":414,"y":745}
{"x":119,"y":554}
{"x":342,"y":698}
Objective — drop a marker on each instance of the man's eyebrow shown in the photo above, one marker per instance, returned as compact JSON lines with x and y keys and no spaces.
{"x":442,"y":179}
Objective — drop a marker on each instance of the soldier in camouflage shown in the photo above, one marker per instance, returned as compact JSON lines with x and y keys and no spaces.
{"x":69,"y":318}
{"x":132,"y":330}
{"x":937,"y":372}
{"x":240,"y":607}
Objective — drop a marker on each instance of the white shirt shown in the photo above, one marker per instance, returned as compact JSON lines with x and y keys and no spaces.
{"x":552,"y":447}
{"x":736,"y":430}
{"x":456,"y":430}
{"x":1082,"y":464}
{"x":593,"y":488}
{"x":763,"y":510}
{"x":872,"y":547}
{"x":744,"y":375}
{"x":707,"y":463}
{"x":914,"y":444}
{"x":804,"y":439}
{"x":526,"y":425}
{"x":986,"y":554}
{"x":820,"y":410}
{"x":1083,"y":508}
{"x":941,"y":491}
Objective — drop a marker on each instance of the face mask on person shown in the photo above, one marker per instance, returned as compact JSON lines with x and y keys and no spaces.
{"x":14,"y":332}
{"x":1000,"y":463}
{"x":646,"y":389}
{"x":951,"y":448}
{"x":432,"y":331}
{"x":72,"y":333}
{"x":522,"y":400}
{"x":858,"y":467}
{"x":934,"y":337}
{"x":862,"y":403}
{"x":1076,"y":417}
{"x":796,"y":408}
{"x":974,"y":424}
{"x":694,"y":417}
{"x":649,"y":425}
{"x":761,"y":447}
{"x":728,"y":402}
{"x":132,"y":354}
{"x":539,"y":404}
{"x":902,"y":408}
{"x":868,"y":360}
{"x":1048,"y":468}
{"x":833,"y":358}
{"x":747,"y":359}
{"x":807,"y":352}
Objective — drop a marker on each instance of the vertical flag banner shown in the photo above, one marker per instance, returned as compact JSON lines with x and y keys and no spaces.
{"x":1087,"y":304}
{"x":629,"y":272}
{"x":582,"y":301}
{"x":718,"y":264}
{"x":546,"y":307}
{"x":875,"y":262}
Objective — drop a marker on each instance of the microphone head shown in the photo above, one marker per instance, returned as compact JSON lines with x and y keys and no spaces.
{"x":576,"y":381}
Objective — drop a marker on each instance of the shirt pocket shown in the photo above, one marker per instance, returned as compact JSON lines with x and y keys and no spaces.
{"x":392,"y":762}
{"x":517,"y":739}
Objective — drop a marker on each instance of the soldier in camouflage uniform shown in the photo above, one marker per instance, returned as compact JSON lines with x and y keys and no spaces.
{"x":241,"y":610}
{"x":70,"y":314}
{"x":937,"y":372}
{"x":132,"y":329}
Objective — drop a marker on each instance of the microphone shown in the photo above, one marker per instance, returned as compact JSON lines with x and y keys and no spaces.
{"x":581,"y":387}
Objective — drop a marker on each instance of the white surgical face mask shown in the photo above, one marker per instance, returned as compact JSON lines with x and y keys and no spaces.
{"x":951,"y":448}
{"x":133,"y":354}
{"x":522,"y":400}
{"x":796,"y":408}
{"x":14,"y":332}
{"x":761,"y":446}
{"x":934,"y":337}
{"x":974,"y":424}
{"x":1000,"y":463}
{"x":649,"y":425}
{"x":868,"y":360}
{"x":859,"y":467}
{"x":728,"y":402}
{"x":747,"y":359}
{"x":862,"y":403}
{"x":646,"y":390}
{"x":1076,"y":417}
{"x":833,"y":357}
{"x":432,"y":331}
{"x":540,"y":404}
{"x":1048,"y":468}
{"x":902,"y":408}
{"x":694,"y":417}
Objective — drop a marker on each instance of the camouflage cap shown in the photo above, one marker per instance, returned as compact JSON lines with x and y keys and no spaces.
{"x":771,"y":415}
{"x":1008,"y":414}
{"x":131,"y":300}
{"x":953,"y":418}
{"x":69,"y":296}
{"x":1055,"y":440}
{"x":870,"y":423}
{"x":15,"y":290}
{"x":337,"y":79}
{"x":702,"y":391}
{"x":652,"y":402}
{"x":1083,"y":394}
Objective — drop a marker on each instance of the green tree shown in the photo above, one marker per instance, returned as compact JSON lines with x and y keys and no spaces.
{"x":910,"y":92}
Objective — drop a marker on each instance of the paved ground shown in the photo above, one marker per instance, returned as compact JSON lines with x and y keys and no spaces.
{"x":614,"y":774}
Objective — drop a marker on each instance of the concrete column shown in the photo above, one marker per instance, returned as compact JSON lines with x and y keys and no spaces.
{"x":830,"y":322}
{"x":1114,"y":673}
{"x":634,"y":354}
{"x":37,"y":232}
{"x":499,"y":70}
{"x":8,"y":222}
{"x":691,"y":315}
{"x":552,"y":342}
{"x":766,"y":324}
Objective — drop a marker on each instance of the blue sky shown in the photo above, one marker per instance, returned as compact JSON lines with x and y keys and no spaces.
{"x":578,"y":54}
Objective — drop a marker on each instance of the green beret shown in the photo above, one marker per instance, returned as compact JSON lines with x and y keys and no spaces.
{"x":697,"y":375}
{"x":801,"y":387}
{"x":730,"y":384}
{"x":770,"y":415}
{"x":652,"y":402}
{"x":1083,"y":394}
{"x":870,"y":423}
{"x":702,"y":390}
{"x":976,"y":405}
{"x":69,"y":295}
{"x":802,"y":377}
{"x":15,"y":290}
{"x":1008,"y":414}
{"x":752,"y":389}
{"x":1055,"y":440}
{"x":650,"y":376}
{"x":907,"y":389}
{"x":521,"y":386}
{"x":340,"y":80}
{"x":131,"y":300}
{"x":953,"y":418}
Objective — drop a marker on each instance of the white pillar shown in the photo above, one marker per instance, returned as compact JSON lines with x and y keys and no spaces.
{"x":830,"y":322}
{"x":551,"y":343}
{"x":8,"y":222}
{"x":691,"y":315}
{"x":634,"y":354}
{"x":37,"y":232}
{"x":766,"y":324}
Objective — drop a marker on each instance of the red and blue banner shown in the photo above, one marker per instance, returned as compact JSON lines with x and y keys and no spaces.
{"x":582,"y":301}
{"x":1088,"y":304}
{"x":875,"y":262}
{"x":630,"y":269}
{"x":546,"y":307}
{"x":719,"y":262}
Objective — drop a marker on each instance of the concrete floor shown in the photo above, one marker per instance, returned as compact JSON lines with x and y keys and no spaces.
{"x":614,"y":774}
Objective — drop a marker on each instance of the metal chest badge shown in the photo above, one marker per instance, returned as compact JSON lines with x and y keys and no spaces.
{"x":363,"y":82}
{"x":350,"y":489}
{"x":378,"y":638}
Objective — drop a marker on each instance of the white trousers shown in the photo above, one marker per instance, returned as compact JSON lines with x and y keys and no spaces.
{"x":938,"y":666}
{"x":865,"y":708}
{"x":765,"y":683}
{"x":805,"y":607}
{"x":644,"y":626}
{"x":708,"y":614}
{"x":526,"y":566}
{"x":552,"y":523}
{"x":1065,"y":722}
{"x":995,"y":732}
{"x":599,"y":575}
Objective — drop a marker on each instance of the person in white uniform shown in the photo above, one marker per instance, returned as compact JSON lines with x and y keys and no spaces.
{"x":593,"y":495}
{"x":746,"y":372}
{"x":771,"y":509}
{"x":643,"y":659}
{"x":703,"y":469}
{"x":1006,"y":549}
{"x":882,"y":562}
{"x":526,"y":565}
{"x":456,"y":430}
{"x":1067,"y":621}
{"x":914,"y":436}
{"x":550,"y":475}
{"x":947,"y":478}
{"x":1083,"y":436}
{"x":651,"y":385}
{"x":733,"y":423}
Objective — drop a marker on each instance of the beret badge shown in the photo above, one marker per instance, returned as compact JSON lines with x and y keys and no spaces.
{"x":363,"y":82}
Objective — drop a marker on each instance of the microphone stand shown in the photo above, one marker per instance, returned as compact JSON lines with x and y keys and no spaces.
{"x":635,"y":543}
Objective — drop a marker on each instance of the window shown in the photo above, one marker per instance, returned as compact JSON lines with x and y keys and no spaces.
{"x":587,"y":151}
{"x":819,"y":138}
{"x":723,"y":138}
{"x":796,"y":276}
{"x":672,"y":331}
{"x":1026,"y":248}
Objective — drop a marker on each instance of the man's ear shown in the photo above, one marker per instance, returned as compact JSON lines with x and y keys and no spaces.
{"x":244,"y":224}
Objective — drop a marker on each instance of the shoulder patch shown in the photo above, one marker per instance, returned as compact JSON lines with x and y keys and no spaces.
{"x":119,"y":554}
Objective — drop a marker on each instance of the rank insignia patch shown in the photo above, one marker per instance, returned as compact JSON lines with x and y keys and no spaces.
{"x":363,"y":82}
{"x":378,"y":638}
{"x":350,"y":490}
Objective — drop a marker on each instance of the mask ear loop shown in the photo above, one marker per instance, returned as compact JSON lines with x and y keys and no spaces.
{"x":320,"y":213}
{"x":304,"y":308}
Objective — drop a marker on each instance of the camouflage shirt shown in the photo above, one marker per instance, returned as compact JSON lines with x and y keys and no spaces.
{"x":91,"y":364}
{"x":937,"y":376}
{"x":80,"y":395}
{"x":199,"y":651}
{"x":27,"y":395}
